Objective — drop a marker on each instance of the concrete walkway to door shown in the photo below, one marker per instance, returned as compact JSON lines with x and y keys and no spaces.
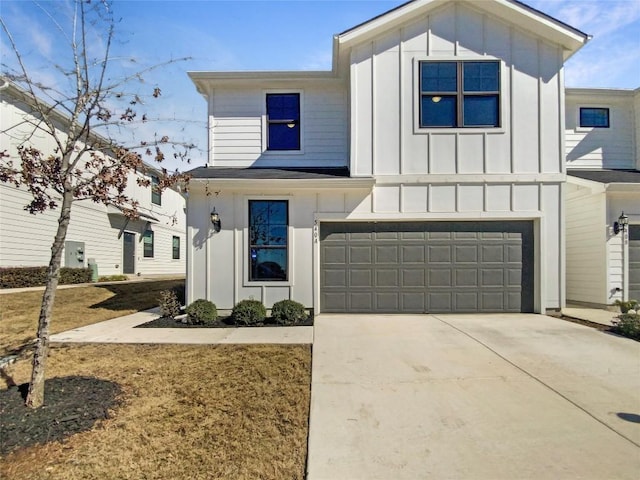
{"x":472,"y":397}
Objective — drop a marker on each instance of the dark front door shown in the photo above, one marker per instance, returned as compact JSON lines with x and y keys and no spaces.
{"x":433,"y":267}
{"x":129,"y":253}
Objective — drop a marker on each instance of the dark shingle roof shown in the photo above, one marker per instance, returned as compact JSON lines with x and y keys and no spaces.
{"x":263,"y":173}
{"x":607,"y":176}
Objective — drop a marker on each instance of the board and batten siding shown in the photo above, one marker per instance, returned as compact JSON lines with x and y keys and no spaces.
{"x":384,"y":83}
{"x":610,"y":148}
{"x":237,"y":121}
{"x":219,"y":261}
{"x":586,"y":233}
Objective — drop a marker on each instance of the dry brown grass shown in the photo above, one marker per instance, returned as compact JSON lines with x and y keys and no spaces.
{"x":189,"y":412}
{"x":74,"y":307}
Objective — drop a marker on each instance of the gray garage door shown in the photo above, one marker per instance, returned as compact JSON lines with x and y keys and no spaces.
{"x":436,"y":267}
{"x":634,"y":262}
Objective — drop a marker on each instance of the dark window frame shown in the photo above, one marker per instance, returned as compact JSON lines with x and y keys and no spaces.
{"x":585,"y":124}
{"x":175,"y":249}
{"x":148,"y":246}
{"x":258,"y":272}
{"x":156,"y":196}
{"x":459,"y":95}
{"x":275,"y":122}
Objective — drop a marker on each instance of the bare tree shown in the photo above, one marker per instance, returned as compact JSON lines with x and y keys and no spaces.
{"x":94,"y":108}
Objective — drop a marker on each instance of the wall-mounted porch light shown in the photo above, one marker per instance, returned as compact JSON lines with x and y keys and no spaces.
{"x":215,"y":220}
{"x":621,"y":224}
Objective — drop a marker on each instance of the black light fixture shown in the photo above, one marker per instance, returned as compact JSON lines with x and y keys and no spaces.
{"x":215,"y":220}
{"x":621,"y":224}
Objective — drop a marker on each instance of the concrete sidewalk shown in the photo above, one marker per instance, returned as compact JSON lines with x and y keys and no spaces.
{"x":594,"y":315}
{"x":122,"y":330}
{"x":481,"y":397}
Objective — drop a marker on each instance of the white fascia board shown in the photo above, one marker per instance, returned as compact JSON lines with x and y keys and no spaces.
{"x":623,"y":187}
{"x":446,"y":178}
{"x":286,"y":183}
{"x":513,"y":12}
{"x":594,"y":187}
{"x":590,"y":92}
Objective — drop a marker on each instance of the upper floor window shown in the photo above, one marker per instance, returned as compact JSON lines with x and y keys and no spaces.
{"x":594,"y":117}
{"x":283,"y":121}
{"x":268,"y":240}
{"x":459,"y":94}
{"x":156,"y":196}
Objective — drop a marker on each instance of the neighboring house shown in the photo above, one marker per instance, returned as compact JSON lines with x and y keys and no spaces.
{"x":603,"y":181}
{"x":150,"y":245}
{"x":423,"y":173}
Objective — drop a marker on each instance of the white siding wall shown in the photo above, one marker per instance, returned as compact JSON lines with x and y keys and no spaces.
{"x":636,"y":109}
{"x":213,"y":273}
{"x":587,"y":231}
{"x":384,"y":76}
{"x":617,"y":248}
{"x":611,"y":147}
{"x":25,"y":239}
{"x":237,"y":123}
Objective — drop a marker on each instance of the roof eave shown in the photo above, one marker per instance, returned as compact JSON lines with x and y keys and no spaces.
{"x":289,"y":183}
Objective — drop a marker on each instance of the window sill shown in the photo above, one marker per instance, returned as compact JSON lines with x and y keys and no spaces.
{"x":487,"y":130}
{"x":275,"y":283}
{"x":275,"y":153}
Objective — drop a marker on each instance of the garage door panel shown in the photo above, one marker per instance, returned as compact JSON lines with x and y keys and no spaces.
{"x":466,"y":254}
{"x":387,"y":278}
{"x":466,"y":277}
{"x":492,"y":254}
{"x":413,"y":254}
{"x":361,"y":278}
{"x":413,"y":278}
{"x":359,"y":254}
{"x":387,"y":302}
{"x":466,"y":302}
{"x":433,"y":267}
{"x":493,"y":302}
{"x":439,"y":278}
{"x":439,"y":254}
{"x":387,"y":254}
{"x":413,"y":301}
{"x":334,"y":278}
{"x":335,"y":255}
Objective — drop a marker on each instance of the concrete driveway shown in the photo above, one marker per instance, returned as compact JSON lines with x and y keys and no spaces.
{"x":472,"y":397}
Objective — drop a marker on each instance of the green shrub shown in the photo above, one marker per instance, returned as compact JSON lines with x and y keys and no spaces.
{"x":249,"y":312}
{"x":626,"y":305}
{"x":288,"y":312}
{"x":628,"y":325}
{"x":113,"y":278}
{"x":169,"y":305}
{"x":202,"y":312}
{"x":19,"y":277}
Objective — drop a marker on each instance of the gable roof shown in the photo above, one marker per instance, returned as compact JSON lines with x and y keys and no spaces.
{"x":512,"y":11}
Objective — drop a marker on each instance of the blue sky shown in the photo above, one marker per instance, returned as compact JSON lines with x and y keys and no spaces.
{"x":295,"y":35}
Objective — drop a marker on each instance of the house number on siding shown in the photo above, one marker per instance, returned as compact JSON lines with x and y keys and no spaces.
{"x":315,"y":231}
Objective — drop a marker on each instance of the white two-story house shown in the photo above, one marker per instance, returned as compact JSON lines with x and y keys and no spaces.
{"x":424,"y":173}
{"x":603,"y":193}
{"x":152,"y":245}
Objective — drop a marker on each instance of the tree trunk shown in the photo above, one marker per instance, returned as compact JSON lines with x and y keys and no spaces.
{"x":35,"y":395}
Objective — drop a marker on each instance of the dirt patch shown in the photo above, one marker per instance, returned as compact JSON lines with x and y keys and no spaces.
{"x":222,"y":322}
{"x":73,"y":405}
{"x":587,"y":323}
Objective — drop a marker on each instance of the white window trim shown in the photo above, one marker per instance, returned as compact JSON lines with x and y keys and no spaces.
{"x":590,"y":129}
{"x":245,"y":243}
{"x":504,"y":78}
{"x":265,"y":129}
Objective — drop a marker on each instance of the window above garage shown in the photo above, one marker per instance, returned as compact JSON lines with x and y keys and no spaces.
{"x":459,"y":94}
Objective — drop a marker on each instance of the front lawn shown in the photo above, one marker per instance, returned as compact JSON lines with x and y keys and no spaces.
{"x":74,"y":307}
{"x":183,"y":412}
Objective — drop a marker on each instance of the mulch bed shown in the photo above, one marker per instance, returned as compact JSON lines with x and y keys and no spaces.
{"x":72,"y":405}
{"x":222,"y":322}
{"x":587,"y":323}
